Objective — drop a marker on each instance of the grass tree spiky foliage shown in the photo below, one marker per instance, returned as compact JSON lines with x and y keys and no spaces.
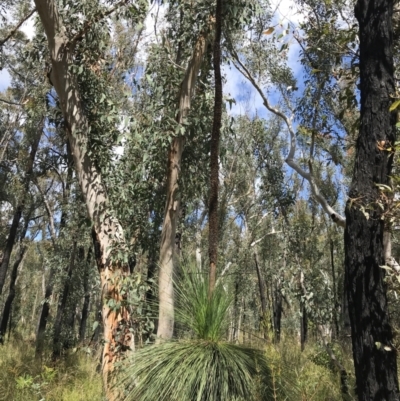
{"x":200,"y":366}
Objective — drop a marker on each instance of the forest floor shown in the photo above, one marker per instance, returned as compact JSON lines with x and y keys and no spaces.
{"x":76,"y":376}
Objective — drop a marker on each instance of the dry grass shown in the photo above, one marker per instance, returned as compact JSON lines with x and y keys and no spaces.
{"x":22,"y":378}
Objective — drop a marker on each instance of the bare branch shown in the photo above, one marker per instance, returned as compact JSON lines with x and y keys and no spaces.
{"x":11,"y":103}
{"x":336,"y":217}
{"x":13,"y":31}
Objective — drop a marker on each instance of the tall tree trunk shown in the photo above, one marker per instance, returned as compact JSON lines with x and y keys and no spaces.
{"x":107,"y":231}
{"x":261,"y":286}
{"x":373,"y":352}
{"x":213,"y":220}
{"x":20,"y":207}
{"x":171,"y":212}
{"x":334,"y":289}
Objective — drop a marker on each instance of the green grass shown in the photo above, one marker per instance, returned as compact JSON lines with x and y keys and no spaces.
{"x":22,"y":378}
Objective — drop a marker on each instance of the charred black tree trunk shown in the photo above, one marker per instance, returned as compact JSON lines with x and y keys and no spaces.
{"x":18,"y":211}
{"x":373,"y":352}
{"x":277,"y":310}
{"x":214,"y":166}
{"x":6,"y":316}
{"x":11,"y":294}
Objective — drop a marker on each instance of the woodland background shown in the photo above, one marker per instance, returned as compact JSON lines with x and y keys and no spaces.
{"x":140,"y":204}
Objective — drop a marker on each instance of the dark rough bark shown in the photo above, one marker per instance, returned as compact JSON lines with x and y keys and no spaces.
{"x":11,"y":294}
{"x":214,"y":166}
{"x":236,"y":313}
{"x":9,"y":246}
{"x":6,"y":316}
{"x":374,"y":356}
{"x":277,"y":309}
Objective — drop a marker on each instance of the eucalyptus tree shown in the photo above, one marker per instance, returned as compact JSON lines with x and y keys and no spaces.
{"x":74,"y":45}
{"x":190,"y":22}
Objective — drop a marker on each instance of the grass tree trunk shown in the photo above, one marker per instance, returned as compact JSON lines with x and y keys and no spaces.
{"x":107,"y":231}
{"x":213,"y":220}
{"x":373,"y":352}
{"x":171,"y":212}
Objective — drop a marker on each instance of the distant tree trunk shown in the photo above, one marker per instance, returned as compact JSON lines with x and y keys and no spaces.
{"x":236,"y":314}
{"x":48,"y":291}
{"x":213,"y":218}
{"x":261,"y":287}
{"x":18,"y":211}
{"x":44,"y":315}
{"x":335,"y":302}
{"x":277,"y":307}
{"x":303,"y":314}
{"x":373,"y":352}
{"x":86,"y":299}
{"x":62,"y":304}
{"x":11,"y":294}
{"x":171,"y":212}
{"x":6,"y":316}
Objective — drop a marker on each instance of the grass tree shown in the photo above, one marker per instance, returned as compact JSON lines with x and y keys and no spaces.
{"x":201,"y":365}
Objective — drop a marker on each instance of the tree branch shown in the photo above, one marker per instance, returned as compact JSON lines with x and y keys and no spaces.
{"x":336,"y":217}
{"x":13,"y":31}
{"x":11,"y":103}
{"x":89,"y":23}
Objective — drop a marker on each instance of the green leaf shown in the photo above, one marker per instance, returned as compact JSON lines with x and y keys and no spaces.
{"x":394,"y":106}
{"x":95,"y":325}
